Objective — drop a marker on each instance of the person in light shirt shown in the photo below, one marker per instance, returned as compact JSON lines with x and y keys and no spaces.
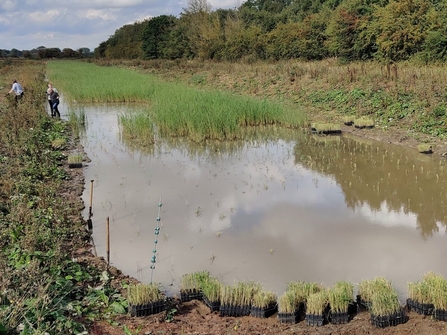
{"x":17,"y":89}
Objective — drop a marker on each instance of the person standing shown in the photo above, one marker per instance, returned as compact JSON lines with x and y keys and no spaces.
{"x":50,"y":87}
{"x":54,"y":97}
{"x":17,"y":89}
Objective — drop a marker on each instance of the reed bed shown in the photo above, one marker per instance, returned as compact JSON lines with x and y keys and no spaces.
{"x":86,"y":82}
{"x":176,"y":109}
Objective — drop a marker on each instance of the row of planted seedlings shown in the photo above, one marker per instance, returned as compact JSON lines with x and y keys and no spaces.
{"x":316,"y":304}
{"x":429,"y":296}
{"x":241,"y":299}
{"x":301,"y":300}
{"x":382,"y":301}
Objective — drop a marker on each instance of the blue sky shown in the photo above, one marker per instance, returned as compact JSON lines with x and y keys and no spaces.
{"x":28,"y":24}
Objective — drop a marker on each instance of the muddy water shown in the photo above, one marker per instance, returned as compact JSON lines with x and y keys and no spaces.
{"x":278,"y":207}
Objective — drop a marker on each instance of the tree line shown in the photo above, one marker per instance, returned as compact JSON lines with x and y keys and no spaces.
{"x":389,"y":30}
{"x":44,"y":52}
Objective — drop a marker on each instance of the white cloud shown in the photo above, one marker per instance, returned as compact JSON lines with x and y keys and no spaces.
{"x":104,"y":15}
{"x":26,"y":24}
{"x":8,"y":5}
{"x":42,"y":17}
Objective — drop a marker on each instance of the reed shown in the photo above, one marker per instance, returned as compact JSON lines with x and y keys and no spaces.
{"x":385,"y":301}
{"x":240,"y":294}
{"x":437,"y":289}
{"x":74,"y":159}
{"x":194,"y":281}
{"x":326,"y":127}
{"x":340,"y":296}
{"x":211,"y":288}
{"x":264,"y":299}
{"x":139,"y":294}
{"x":425,"y":148}
{"x":348,"y":119}
{"x":77,"y":121}
{"x":302,"y":290}
{"x":317,"y":303}
{"x":138,"y":129}
{"x":364,"y":122}
{"x":287,"y":302}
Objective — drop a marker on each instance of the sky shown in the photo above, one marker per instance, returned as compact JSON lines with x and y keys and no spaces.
{"x":28,"y":24}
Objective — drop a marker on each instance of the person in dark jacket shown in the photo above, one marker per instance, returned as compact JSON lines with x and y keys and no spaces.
{"x":50,"y":87}
{"x":54,"y":98}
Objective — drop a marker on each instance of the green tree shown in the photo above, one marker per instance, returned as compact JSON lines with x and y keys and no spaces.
{"x":399,"y":29}
{"x":242,"y":42}
{"x":346,"y":28}
{"x":155,"y":35}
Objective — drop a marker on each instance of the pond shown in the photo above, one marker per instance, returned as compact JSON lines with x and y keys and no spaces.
{"x":280,"y":206}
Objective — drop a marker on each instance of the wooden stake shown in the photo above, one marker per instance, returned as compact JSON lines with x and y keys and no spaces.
{"x":90,"y":213}
{"x":108,"y":241}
